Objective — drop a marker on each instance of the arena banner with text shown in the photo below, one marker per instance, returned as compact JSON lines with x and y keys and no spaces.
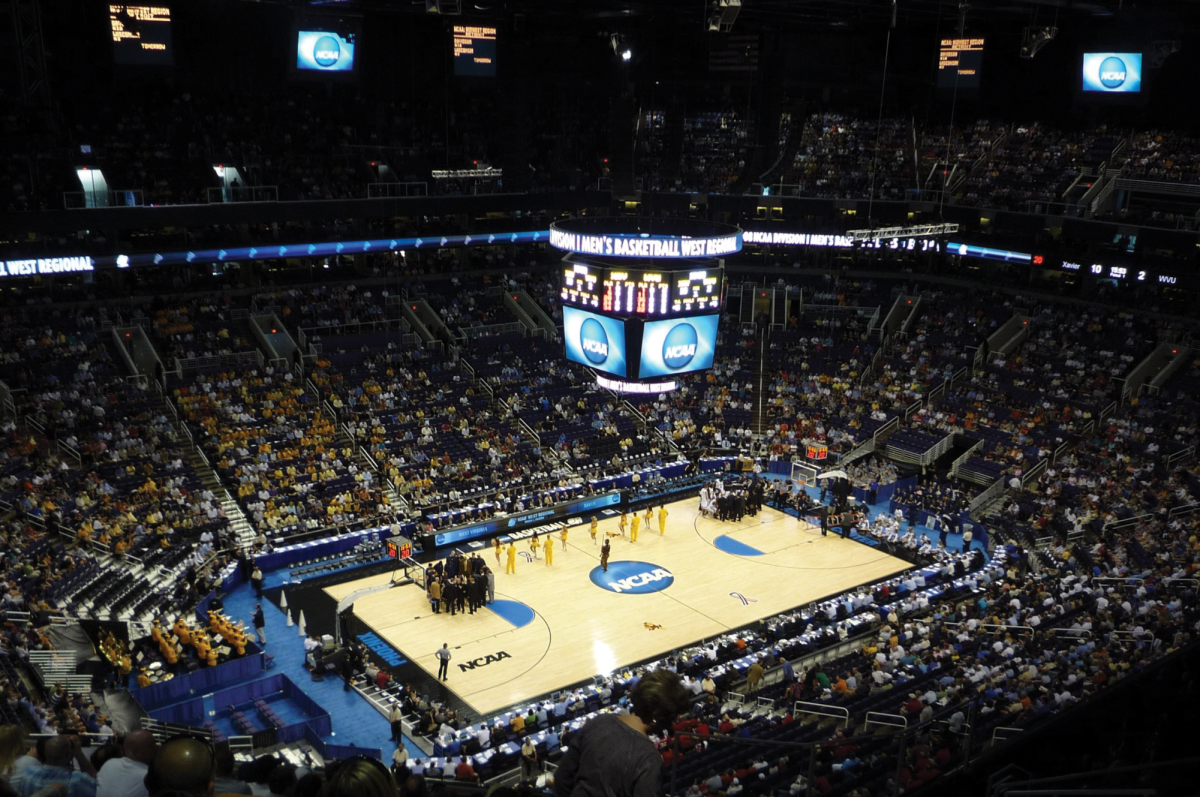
{"x":522,"y":520}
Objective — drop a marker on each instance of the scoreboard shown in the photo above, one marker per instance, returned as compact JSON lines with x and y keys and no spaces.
{"x":141,"y":34}
{"x":474,"y":51}
{"x":642,"y":292}
{"x":959,"y":63}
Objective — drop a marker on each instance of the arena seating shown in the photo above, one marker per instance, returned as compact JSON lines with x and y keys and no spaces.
{"x":1078,"y":518}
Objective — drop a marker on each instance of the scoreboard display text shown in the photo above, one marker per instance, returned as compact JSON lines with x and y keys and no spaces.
{"x":474,"y":51}
{"x":141,"y":34}
{"x":959,"y":63}
{"x":641,"y":292}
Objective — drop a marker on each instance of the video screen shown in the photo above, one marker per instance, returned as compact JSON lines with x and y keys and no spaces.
{"x":1112,"y":73}
{"x":141,"y":35}
{"x":324,"y":51}
{"x":678,"y":346}
{"x":959,"y":63}
{"x":595,"y":341}
{"x":624,"y":291}
{"x":474,"y":51}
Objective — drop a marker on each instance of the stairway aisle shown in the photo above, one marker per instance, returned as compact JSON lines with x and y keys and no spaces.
{"x":758,"y":418}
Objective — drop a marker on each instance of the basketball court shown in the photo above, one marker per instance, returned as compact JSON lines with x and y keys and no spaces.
{"x":554,"y":626}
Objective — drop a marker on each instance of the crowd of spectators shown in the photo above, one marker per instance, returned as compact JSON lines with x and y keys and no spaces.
{"x":1107,"y":506}
{"x":283,"y":457}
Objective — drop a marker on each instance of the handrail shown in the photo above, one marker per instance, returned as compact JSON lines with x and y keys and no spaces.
{"x":889,"y":720}
{"x":1073,"y":633}
{"x":996,"y":737}
{"x":1034,"y":472}
{"x":1185,"y":509}
{"x":822,"y":710}
{"x":1171,"y":459}
{"x":1129,"y":521}
{"x":994,"y":626}
{"x":1118,"y":581}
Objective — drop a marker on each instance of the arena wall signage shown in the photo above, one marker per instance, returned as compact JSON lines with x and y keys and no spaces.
{"x":644,"y":245}
{"x":524,"y":519}
{"x":45,"y":266}
{"x":818,"y":240}
{"x":987,"y":253}
{"x":323,"y":249}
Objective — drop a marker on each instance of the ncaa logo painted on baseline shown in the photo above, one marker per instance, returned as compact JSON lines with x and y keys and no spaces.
{"x":327,"y":51}
{"x":632,"y":578}
{"x":593,"y":341}
{"x":679,"y":347}
{"x":1112,"y":72}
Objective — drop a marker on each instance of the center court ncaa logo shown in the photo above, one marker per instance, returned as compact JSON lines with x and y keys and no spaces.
{"x":593,"y":341}
{"x":679,"y":347}
{"x":327,"y":51}
{"x":632,"y":578}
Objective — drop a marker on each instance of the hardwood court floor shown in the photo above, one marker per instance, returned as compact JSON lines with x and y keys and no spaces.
{"x":577,"y":629}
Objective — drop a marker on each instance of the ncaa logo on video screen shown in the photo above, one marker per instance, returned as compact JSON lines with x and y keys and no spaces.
{"x":593,"y":341}
{"x":327,"y":51}
{"x":632,"y":578}
{"x":679,"y":347}
{"x":1112,"y":72}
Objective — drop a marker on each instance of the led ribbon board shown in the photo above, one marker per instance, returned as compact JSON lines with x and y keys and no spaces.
{"x":323,"y":249}
{"x":665,"y":241}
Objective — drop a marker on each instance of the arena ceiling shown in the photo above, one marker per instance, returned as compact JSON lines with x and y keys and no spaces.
{"x":762,"y":12}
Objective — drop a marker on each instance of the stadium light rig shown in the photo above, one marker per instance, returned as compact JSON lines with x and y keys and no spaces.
{"x":1034,"y":39}
{"x":724,"y":14}
{"x":1161,"y":50}
{"x":450,"y":8}
{"x":916,"y":231}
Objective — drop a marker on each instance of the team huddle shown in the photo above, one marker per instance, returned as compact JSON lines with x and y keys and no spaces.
{"x":463,"y":584}
{"x":734,"y":501}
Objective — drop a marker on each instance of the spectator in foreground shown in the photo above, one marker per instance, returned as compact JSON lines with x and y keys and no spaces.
{"x":611,"y":756}
{"x":125,"y":777}
{"x":12,"y":747}
{"x":183,"y":765}
{"x":56,"y":769}
{"x":227,"y":781}
{"x":360,"y":777}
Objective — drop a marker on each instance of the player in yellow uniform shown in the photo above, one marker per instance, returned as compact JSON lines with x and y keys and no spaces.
{"x":549,"y":549}
{"x":512,"y":558}
{"x":563,"y":536}
{"x":662,"y":520}
{"x":534,"y":544}
{"x":592,"y":530}
{"x":633,"y":527}
{"x":621,"y":525}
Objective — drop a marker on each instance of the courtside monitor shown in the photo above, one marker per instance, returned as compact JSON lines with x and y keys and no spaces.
{"x":595,"y":340}
{"x":678,"y":346}
{"x":1112,"y":73}
{"x":325,"y":51}
{"x":141,"y":34}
